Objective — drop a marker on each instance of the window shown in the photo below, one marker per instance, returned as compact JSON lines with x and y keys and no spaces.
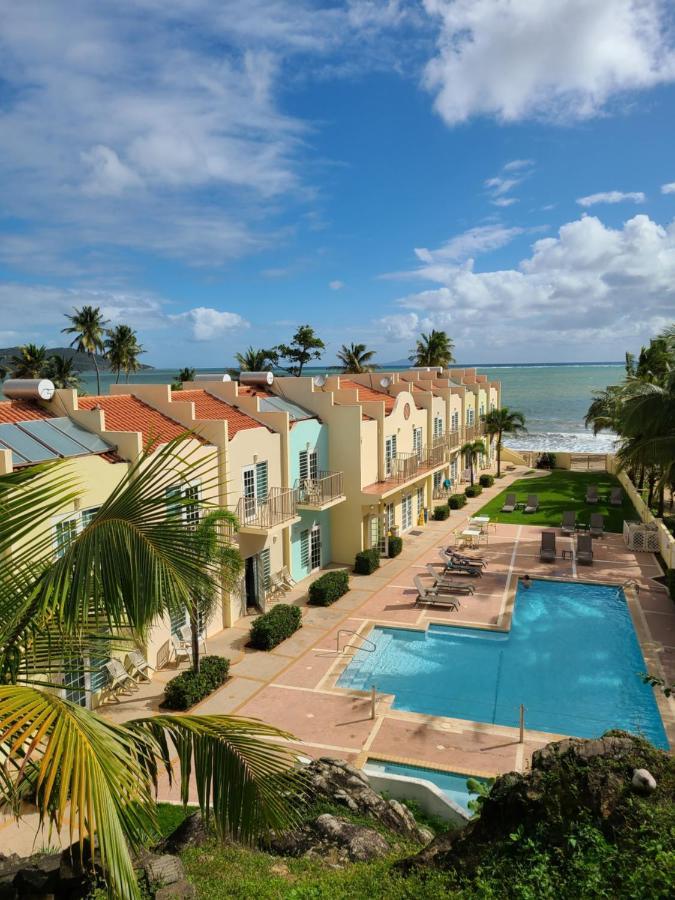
{"x":438,"y":480}
{"x":75,"y":681}
{"x":453,"y":469}
{"x":304,"y":549}
{"x":266,"y":568}
{"x":261,"y":481}
{"x":406,"y":512}
{"x":315,"y":547}
{"x":389,"y":454}
{"x":482,"y":409}
{"x":309,"y":465}
{"x":389,"y":516}
{"x":469,"y":416}
{"x":67,"y":529}
{"x":189,"y":512}
{"x":417,"y":441}
{"x":420,"y":498}
{"x":455,"y":421}
{"x":438,"y":426}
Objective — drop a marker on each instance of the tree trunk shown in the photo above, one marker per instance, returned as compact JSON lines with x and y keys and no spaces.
{"x":641,"y":478}
{"x":98,"y":377}
{"x":499,"y":456}
{"x":471,"y":469}
{"x":117,"y":377}
{"x":651,"y":480}
{"x":194,"y":629}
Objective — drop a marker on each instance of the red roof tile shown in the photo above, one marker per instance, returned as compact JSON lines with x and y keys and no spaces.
{"x":126,"y":413}
{"x":209,"y":407}
{"x":366,"y":393}
{"x":12,"y":411}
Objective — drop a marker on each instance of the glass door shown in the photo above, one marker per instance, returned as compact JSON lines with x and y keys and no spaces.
{"x":406,"y":512}
{"x":315,"y":548}
{"x":249,"y":492}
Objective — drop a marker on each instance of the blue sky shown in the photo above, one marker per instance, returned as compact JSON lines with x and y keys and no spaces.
{"x":216,"y":173}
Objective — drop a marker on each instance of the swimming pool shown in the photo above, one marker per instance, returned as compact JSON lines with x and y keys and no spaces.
{"x":452,"y":784}
{"x":571,"y":657}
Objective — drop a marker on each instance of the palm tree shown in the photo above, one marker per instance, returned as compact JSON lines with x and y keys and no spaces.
{"x":123,"y":350}
{"x":30,"y":362}
{"x":185,"y":374}
{"x":472,"y":450}
{"x":433,"y":349}
{"x":132,"y":563}
{"x":252,"y":360}
{"x":61,"y":370}
{"x":88,"y":326}
{"x":500,"y":422}
{"x":355,"y":359}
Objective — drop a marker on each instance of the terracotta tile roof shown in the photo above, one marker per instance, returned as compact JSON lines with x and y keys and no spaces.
{"x":12,"y":411}
{"x":126,"y":413}
{"x":366,"y":393}
{"x":209,"y":407}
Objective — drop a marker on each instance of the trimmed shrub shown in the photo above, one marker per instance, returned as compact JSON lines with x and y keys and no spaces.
{"x":486,"y":480}
{"x":473,"y":490}
{"x":275,"y":626}
{"x":367,"y":561}
{"x":395,"y":546}
{"x":441,"y":512}
{"x":190,"y":687}
{"x":457,"y":501}
{"x":328,"y":588}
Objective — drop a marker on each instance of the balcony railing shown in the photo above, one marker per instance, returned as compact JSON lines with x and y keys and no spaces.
{"x":405,"y":466}
{"x":316,"y":492}
{"x":433,"y":456}
{"x":280,"y":505}
{"x":452,"y":439}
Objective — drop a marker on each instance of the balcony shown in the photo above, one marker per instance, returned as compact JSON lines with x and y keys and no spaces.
{"x":279,"y":508}
{"x":321,"y":492}
{"x":452,"y":439}
{"x":406,"y":467}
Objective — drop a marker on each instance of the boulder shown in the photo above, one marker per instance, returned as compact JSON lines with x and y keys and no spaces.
{"x":192,"y":832}
{"x":643,"y":781}
{"x":331,"y":838}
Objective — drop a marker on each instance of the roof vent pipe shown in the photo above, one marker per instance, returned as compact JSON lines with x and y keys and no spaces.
{"x":28,"y":389}
{"x":213,"y":377}
{"x":263,"y":378}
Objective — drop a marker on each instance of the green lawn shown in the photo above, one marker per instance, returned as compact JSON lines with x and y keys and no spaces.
{"x":559,"y":491}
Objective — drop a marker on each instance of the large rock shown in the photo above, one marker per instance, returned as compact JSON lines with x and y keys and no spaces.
{"x":192,"y":832}
{"x":339,"y":782}
{"x":332,"y":839}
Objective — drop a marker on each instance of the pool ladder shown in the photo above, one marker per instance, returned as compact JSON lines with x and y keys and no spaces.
{"x":367,"y":644}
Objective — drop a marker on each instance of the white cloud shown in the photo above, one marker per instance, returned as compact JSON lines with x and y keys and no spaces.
{"x":612,"y":197}
{"x":336,"y":285}
{"x":499,"y":187}
{"x":473,"y":242}
{"x":578,"y":291}
{"x":560,"y":59}
{"x":668,"y":188}
{"x":207,"y":324}
{"x":516,"y":164}
{"x":108,"y":174}
{"x":504,"y":201}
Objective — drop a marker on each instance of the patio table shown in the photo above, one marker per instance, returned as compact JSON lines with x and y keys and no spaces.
{"x":471,"y":535}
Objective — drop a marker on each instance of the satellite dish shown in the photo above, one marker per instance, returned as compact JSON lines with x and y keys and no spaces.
{"x":385,"y":382}
{"x":319,"y":381}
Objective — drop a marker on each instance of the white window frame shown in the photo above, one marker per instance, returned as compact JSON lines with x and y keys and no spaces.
{"x":389,"y":516}
{"x":389,"y":454}
{"x":420,"y":499}
{"x":406,"y":512}
{"x":314,"y":545}
{"x":308,"y":465}
{"x":455,"y":421}
{"x":438,"y":426}
{"x":417,"y":441}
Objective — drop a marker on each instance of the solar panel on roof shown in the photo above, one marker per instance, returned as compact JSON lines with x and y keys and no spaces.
{"x":92,"y":442}
{"x":55,"y":439}
{"x":277,"y":404}
{"x":17,"y":458}
{"x":25,"y":445}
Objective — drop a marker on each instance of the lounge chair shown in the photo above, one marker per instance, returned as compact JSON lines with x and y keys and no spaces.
{"x":592,"y":494}
{"x":616,"y":497}
{"x":569,"y":522}
{"x":547,"y":550}
{"x":585,"y":549}
{"x":468,"y":560}
{"x":181,"y":650}
{"x":287,"y":578}
{"x":509,"y":503}
{"x":137,"y":665}
{"x":532,"y":504}
{"x":451,"y":565}
{"x":119,"y":679}
{"x":448,"y":585}
{"x":597,"y":525}
{"x":433,"y":597}
{"x":185,"y":634}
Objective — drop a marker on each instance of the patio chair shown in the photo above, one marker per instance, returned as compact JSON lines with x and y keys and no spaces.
{"x":597,"y":525}
{"x":509,"y":503}
{"x":287,"y":578}
{"x":592,"y":494}
{"x":181,"y":650}
{"x":616,"y":497}
{"x":451,"y":565}
{"x":449,"y":585}
{"x":465,"y":558}
{"x":119,"y":679}
{"x":585,"y":549}
{"x":432,"y":597}
{"x":547,"y":550}
{"x":532,"y":504}
{"x":185,"y":633}
{"x":569,"y":522}
{"x":277,"y":584}
{"x":137,"y":665}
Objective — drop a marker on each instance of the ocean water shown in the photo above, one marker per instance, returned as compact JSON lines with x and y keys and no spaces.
{"x":553,"y":399}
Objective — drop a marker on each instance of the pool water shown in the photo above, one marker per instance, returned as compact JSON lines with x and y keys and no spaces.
{"x":571,"y":657}
{"x":452,"y":784}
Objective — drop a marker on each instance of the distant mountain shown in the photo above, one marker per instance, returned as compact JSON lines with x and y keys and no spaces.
{"x":81,"y":361}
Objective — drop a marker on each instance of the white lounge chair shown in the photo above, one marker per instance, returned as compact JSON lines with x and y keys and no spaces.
{"x":181,"y":650}
{"x":185,"y":633}
{"x":448,"y":585}
{"x":509,"y":503}
{"x":119,"y":680}
{"x":137,"y":665}
{"x":532,"y":504}
{"x":432,"y":597}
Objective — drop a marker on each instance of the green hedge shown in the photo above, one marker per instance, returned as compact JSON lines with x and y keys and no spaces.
{"x":473,"y":490}
{"x":367,"y":561}
{"x":486,"y":480}
{"x":457,"y":501}
{"x":190,"y":687}
{"x":275,"y":626}
{"x":395,"y":546}
{"x":441,"y":513}
{"x":328,"y":588}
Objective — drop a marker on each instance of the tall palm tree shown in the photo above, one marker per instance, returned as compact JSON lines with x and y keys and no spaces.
{"x":122,"y":350}
{"x":472,"y":450}
{"x":499,"y":422}
{"x":61,"y":370}
{"x":253,"y":360}
{"x":131,"y":564}
{"x":88,"y":326}
{"x":355,"y":359}
{"x":433,"y":349}
{"x":30,"y":362}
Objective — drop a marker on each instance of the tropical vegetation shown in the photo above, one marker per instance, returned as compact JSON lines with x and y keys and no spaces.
{"x":30,"y":362}
{"x":304,"y":347}
{"x":62,"y":373}
{"x":499,"y":422}
{"x":471,"y":451}
{"x":356,"y":359}
{"x":186,"y":374}
{"x":66,"y":614}
{"x":260,"y":360}
{"x":433,"y":349}
{"x":122,"y":350}
{"x":87,"y":326}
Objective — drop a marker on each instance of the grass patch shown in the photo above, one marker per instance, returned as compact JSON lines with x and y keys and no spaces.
{"x":559,"y":491}
{"x":171,"y":815}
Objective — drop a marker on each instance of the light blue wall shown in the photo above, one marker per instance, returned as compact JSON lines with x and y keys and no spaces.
{"x":315,"y":434}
